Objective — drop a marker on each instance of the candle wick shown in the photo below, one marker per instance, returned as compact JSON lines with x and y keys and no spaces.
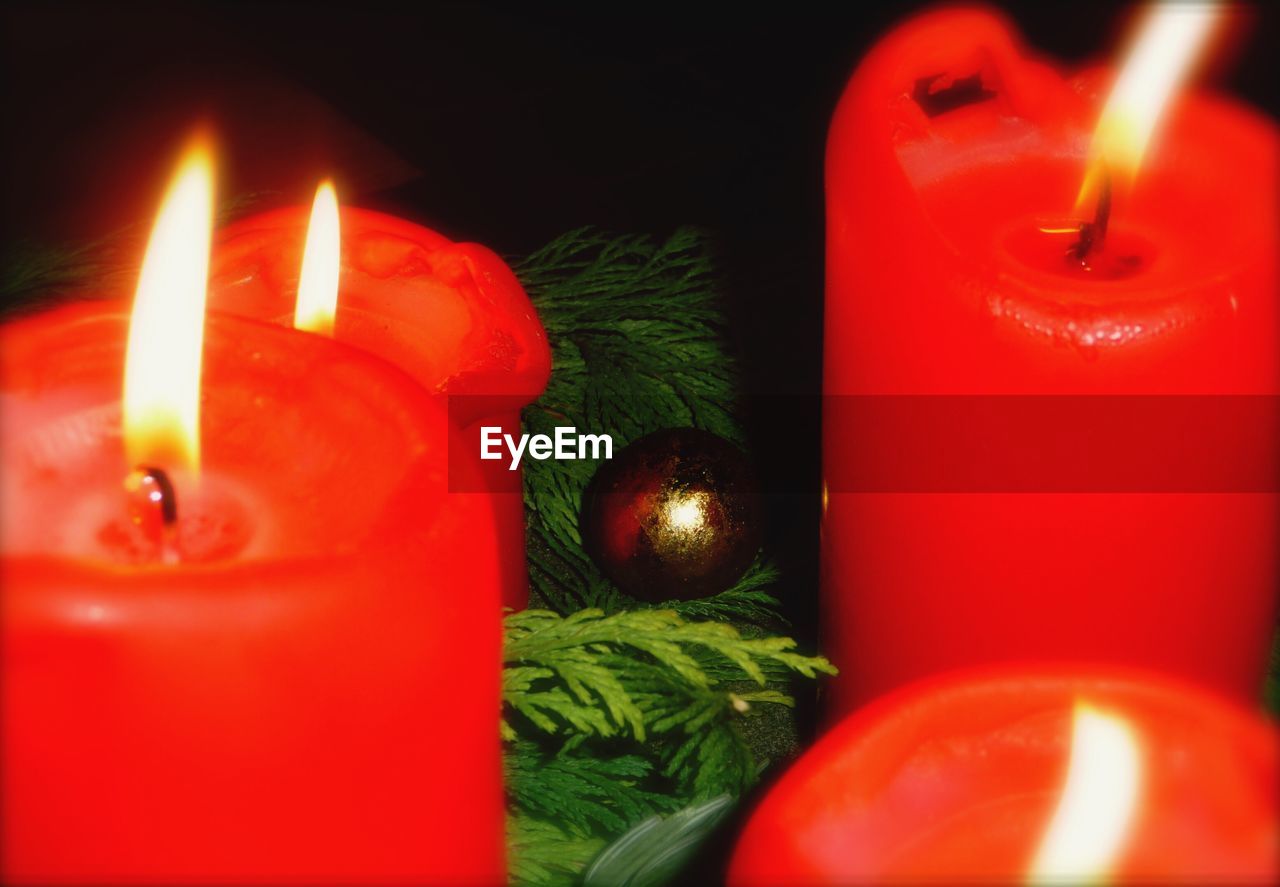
{"x":1093,"y":234}
{"x":153,"y":506}
{"x":163,"y":495}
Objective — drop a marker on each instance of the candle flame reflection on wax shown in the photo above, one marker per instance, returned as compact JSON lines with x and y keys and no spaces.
{"x":318,"y":284}
{"x":1169,"y":40}
{"x":1098,"y":803}
{"x":161,"y":401}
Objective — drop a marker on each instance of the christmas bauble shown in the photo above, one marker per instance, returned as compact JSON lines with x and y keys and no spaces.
{"x":674,"y":515}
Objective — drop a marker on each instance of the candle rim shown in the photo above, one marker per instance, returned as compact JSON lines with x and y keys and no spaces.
{"x":885,"y":735}
{"x":82,"y":322}
{"x":495,"y":283}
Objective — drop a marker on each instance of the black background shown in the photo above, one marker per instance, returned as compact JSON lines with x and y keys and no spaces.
{"x":521,"y":123}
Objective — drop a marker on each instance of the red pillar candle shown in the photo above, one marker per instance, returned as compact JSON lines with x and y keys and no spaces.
{"x":940,"y":282}
{"x":305,"y":687}
{"x":994,"y":777}
{"x":452,"y":315}
{"x":271,"y":654}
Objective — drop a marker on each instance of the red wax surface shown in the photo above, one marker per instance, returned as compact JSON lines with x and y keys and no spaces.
{"x":267,"y":707}
{"x":452,"y":315}
{"x":956,"y":778}
{"x":939,"y":283}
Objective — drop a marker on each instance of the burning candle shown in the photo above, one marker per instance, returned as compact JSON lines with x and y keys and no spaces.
{"x":1008,"y":775}
{"x":984,"y":501}
{"x":229,"y":667}
{"x":452,"y":315}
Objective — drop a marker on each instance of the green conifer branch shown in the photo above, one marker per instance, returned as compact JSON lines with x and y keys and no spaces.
{"x":610,"y":675}
{"x":636,"y":331}
{"x":612,"y":718}
{"x":539,"y":852}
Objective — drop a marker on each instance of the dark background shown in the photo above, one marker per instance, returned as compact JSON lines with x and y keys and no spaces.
{"x":508,"y":126}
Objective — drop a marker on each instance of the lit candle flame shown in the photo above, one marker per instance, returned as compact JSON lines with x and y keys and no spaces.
{"x":318,"y":286}
{"x":1168,"y":42}
{"x":166,"y":330}
{"x":1089,"y":827}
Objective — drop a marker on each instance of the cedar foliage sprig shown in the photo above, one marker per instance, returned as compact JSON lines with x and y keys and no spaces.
{"x":617,"y":711}
{"x":613,"y":718}
{"x":627,"y":674}
{"x":539,"y":852}
{"x":637,"y":343}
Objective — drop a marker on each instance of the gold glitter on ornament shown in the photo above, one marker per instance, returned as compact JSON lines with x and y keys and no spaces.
{"x":675,"y":515}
